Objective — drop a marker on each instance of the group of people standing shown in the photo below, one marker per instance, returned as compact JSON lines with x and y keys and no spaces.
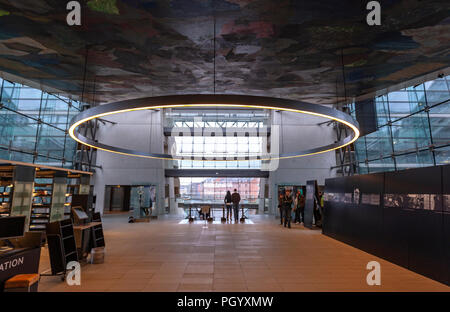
{"x":286,"y":203}
{"x":232,"y":203}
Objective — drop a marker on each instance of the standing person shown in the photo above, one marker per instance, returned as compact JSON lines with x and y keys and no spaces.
{"x":235,"y":199}
{"x":299,"y":205}
{"x":150,"y":204}
{"x":280,"y":207}
{"x":227,"y":202}
{"x":287,"y":205}
{"x":320,"y":208}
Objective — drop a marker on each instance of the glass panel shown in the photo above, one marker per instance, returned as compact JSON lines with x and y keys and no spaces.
{"x":442,"y":155}
{"x":54,"y":111}
{"x":24,"y":135}
{"x":48,"y":161}
{"x":360,"y":149}
{"x":214,"y":189}
{"x":363,"y":168}
{"x":18,"y":156}
{"x":382,"y":110}
{"x":437,"y":91}
{"x":381,"y":165}
{"x":379,"y":143}
{"x":69,"y":152}
{"x":17,"y":132}
{"x":414,"y":160}
{"x":50,"y":141}
{"x":406,"y":102}
{"x":411,"y":133}
{"x":440,"y":124}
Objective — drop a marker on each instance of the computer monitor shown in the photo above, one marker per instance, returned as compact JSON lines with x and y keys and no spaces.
{"x":80,"y":217}
{"x":12,"y":227}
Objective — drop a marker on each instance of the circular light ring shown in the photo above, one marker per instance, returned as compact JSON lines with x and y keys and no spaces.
{"x":204,"y":100}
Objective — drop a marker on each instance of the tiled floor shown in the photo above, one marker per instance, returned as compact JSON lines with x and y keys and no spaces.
{"x":166,"y":256}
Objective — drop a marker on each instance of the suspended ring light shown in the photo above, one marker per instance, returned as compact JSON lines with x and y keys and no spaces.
{"x":218,"y":101}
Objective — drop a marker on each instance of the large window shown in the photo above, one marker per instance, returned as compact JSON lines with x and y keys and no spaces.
{"x":239,"y":134}
{"x":214,"y":189}
{"x":33,"y":125}
{"x":413,"y":129}
{"x":218,"y":147}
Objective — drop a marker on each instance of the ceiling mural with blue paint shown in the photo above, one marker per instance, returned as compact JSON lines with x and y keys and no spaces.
{"x":285,"y":48}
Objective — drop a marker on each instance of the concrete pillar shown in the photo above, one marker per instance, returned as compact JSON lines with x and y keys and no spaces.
{"x":262,"y":184}
{"x":172,"y":201}
{"x":173,"y":205}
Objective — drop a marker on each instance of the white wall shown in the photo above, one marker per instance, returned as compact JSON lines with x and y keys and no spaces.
{"x":140,"y":130}
{"x":144,"y":131}
{"x":301,"y":132}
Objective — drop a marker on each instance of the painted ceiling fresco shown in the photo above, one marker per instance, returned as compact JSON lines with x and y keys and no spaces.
{"x":291,"y":49}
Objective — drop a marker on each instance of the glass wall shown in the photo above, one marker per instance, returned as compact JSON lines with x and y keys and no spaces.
{"x":215,"y":189}
{"x":413,"y":129}
{"x":233,"y":142}
{"x":218,"y":147}
{"x":33,"y":125}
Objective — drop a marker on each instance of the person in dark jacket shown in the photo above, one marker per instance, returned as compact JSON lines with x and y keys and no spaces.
{"x":287,"y":205}
{"x":280,"y":207}
{"x":235,"y":199}
{"x":300,"y":207}
{"x":228,"y":202}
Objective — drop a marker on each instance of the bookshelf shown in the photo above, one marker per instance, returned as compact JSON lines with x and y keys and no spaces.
{"x":51,"y":202}
{"x":42,"y":200}
{"x":6,"y":192}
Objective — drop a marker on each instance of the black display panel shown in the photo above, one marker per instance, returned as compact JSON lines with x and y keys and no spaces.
{"x":446,"y":218}
{"x":11,"y":227}
{"x":309,"y":203}
{"x":403,"y":217}
{"x":418,"y":206}
{"x":366,"y":116}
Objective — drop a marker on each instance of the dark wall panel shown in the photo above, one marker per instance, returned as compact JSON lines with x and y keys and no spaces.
{"x":309,"y":203}
{"x":24,"y":173}
{"x":366,"y":116}
{"x":331,"y":210}
{"x":395,"y":236}
{"x":400,"y":216}
{"x":446,"y":219}
{"x":371,"y":221}
{"x":423,"y":229}
{"x":351,"y":219}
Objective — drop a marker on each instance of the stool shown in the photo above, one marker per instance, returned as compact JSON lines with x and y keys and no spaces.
{"x":22,"y":283}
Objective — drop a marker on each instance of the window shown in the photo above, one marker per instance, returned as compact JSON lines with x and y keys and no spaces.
{"x":224,"y":144}
{"x":413,"y":129}
{"x":214,"y":189}
{"x":33,"y":125}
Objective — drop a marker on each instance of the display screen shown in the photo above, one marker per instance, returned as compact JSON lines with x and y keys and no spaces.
{"x":80,"y":214}
{"x":12,"y":227}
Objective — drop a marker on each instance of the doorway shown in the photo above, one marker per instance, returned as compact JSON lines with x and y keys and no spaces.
{"x":117,"y":198}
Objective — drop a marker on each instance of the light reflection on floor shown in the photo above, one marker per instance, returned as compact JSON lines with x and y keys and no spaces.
{"x":186,"y":221}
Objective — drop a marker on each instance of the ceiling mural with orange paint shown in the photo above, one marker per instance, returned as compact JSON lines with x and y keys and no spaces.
{"x":301,"y":49}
